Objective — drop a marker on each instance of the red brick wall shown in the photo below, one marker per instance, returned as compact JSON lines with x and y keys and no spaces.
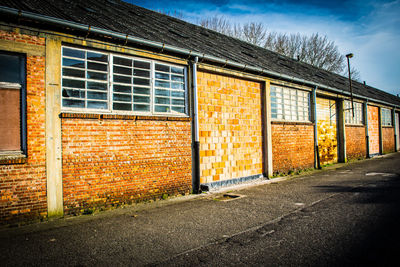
{"x":23,"y":186}
{"x":112,"y":162}
{"x":355,"y":142}
{"x":373,"y":129}
{"x":387,"y":139}
{"x":292,"y":146}
{"x":230,"y":127}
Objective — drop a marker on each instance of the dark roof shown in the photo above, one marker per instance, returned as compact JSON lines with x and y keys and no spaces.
{"x":119,"y":16}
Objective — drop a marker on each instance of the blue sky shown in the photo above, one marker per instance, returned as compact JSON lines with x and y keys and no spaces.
{"x":369,"y":29}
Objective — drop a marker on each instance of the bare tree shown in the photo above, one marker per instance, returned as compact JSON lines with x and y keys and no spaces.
{"x":175,"y":13}
{"x":218,"y":24}
{"x":316,"y":50}
{"x":254,"y":33}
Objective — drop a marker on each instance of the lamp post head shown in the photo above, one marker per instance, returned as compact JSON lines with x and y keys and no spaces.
{"x":349,"y":55}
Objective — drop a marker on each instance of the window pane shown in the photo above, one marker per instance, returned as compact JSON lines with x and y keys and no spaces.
{"x":96,"y":105}
{"x":179,"y":102}
{"x":122,"y":61}
{"x":124,"y":98}
{"x":141,"y":99}
{"x":162,"y":100}
{"x":73,"y":93}
{"x":122,"y":106}
{"x":122,"y":70}
{"x":141,"y":107}
{"x":177,"y":78}
{"x":74,"y":73}
{"x":69,"y":52}
{"x":162,"y":92}
{"x":160,"y":75}
{"x":97,"y":57}
{"x":96,"y":95}
{"x":73,"y":103}
{"x":10,"y":68}
{"x":141,"y":64}
{"x":68,"y":62}
{"x":142,"y":73}
{"x":97,"y":75}
{"x":73,"y":83}
{"x":177,"y":86}
{"x":122,"y":88}
{"x":162,"y":67}
{"x":161,"y":108}
{"x":96,"y":66}
{"x":162,"y":84}
{"x":178,"y":94}
{"x":141,"y":90}
{"x":122,"y":79}
{"x":140,"y":81}
{"x":97,"y":86}
{"x":177,"y":70}
{"x":179,"y":109}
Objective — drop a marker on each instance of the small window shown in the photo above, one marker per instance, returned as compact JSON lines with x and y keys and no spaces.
{"x":289,"y":104}
{"x":358,"y":118}
{"x":122,"y":84}
{"x":12,"y":104}
{"x":386,"y":117}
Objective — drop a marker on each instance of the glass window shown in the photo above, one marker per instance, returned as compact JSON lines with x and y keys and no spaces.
{"x":116,"y":83}
{"x":289,"y":104}
{"x":12,"y":103}
{"x":358,"y":117}
{"x":85,"y":79}
{"x":386,"y":117}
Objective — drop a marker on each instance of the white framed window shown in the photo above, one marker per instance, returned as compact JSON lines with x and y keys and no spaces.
{"x":106,"y":82}
{"x":358,"y":118}
{"x":289,"y":104}
{"x":386,"y":117}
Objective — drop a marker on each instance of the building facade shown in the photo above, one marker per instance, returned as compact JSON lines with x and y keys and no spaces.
{"x":92,"y":120}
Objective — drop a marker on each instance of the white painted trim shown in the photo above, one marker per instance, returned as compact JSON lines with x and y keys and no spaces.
{"x":6,"y":85}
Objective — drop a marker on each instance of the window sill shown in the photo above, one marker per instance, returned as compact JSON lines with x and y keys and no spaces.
{"x":355,"y":125}
{"x":12,"y":157}
{"x":68,"y":115}
{"x":292,"y":122}
{"x":387,"y":126}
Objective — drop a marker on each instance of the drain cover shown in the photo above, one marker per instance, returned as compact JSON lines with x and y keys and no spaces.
{"x":228,"y":197}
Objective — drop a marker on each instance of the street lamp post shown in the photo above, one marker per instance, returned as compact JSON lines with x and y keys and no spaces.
{"x":348,"y":56}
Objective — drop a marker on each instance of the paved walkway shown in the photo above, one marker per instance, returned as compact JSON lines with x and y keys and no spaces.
{"x":167,"y":231}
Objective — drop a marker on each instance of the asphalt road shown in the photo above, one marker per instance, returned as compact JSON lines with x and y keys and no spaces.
{"x":347,"y":216}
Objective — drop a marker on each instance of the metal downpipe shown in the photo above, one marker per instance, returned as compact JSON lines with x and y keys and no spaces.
{"x":366,"y":128}
{"x":316,"y":148}
{"x":195,"y":134}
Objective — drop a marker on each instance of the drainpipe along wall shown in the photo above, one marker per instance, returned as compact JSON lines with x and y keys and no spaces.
{"x":195,"y":132}
{"x":366,"y":127}
{"x":314,"y":109}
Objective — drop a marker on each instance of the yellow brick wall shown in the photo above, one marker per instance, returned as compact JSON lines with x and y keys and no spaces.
{"x":327,"y":130}
{"x":230,"y":127}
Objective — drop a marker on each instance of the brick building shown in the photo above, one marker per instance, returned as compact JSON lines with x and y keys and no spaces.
{"x":103,"y":103}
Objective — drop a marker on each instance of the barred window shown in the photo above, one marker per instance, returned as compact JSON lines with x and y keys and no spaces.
{"x":121,"y":84}
{"x":386,"y":117}
{"x":358,"y":118}
{"x":289,"y":104}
